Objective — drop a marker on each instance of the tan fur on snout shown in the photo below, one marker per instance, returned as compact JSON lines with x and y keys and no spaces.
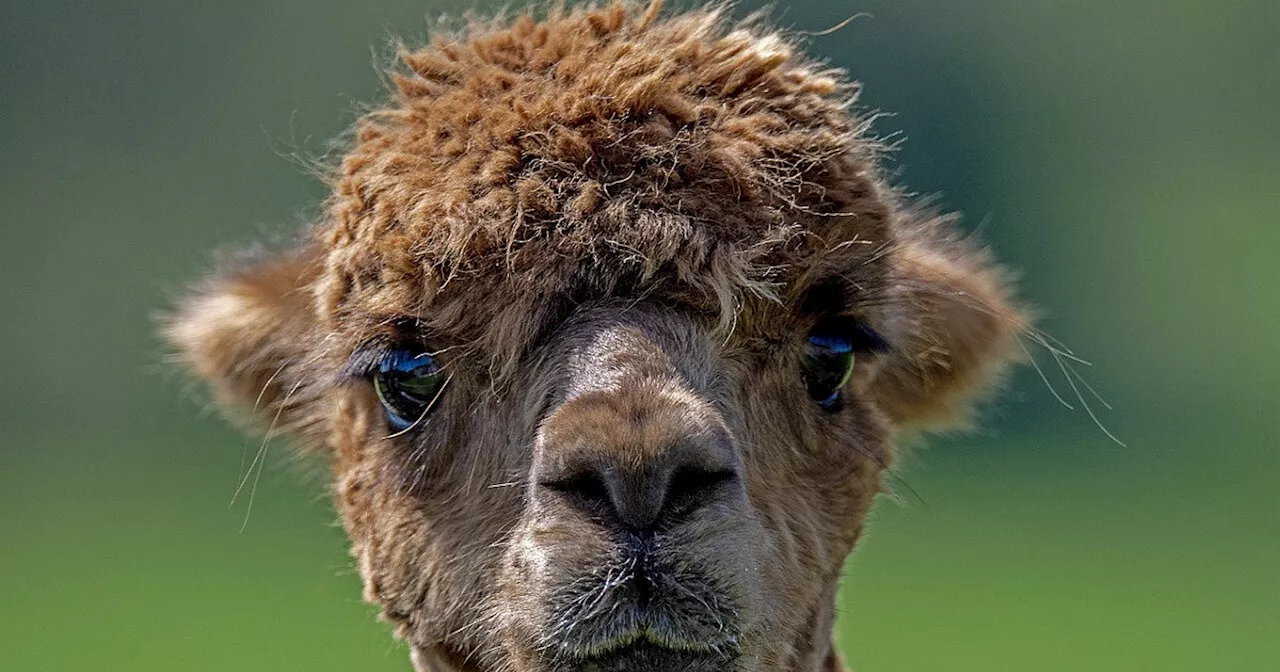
{"x":614,"y":229}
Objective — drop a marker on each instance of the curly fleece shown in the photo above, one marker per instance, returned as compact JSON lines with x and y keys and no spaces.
{"x":716,"y":155}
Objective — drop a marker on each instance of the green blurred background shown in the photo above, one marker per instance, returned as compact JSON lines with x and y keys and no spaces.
{"x":1125,"y":155}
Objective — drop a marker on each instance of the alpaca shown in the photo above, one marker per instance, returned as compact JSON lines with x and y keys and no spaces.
{"x":608,"y":332}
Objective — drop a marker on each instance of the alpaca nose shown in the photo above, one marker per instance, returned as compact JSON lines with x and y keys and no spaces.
{"x":635,"y":470}
{"x":638,"y":497}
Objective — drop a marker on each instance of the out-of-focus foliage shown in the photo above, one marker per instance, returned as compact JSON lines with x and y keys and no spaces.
{"x":1123,"y":154}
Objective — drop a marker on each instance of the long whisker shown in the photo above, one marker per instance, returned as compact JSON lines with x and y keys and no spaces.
{"x":1089,"y":387}
{"x":1031,"y":359}
{"x":257,"y":403}
{"x":914,"y":493}
{"x":1068,"y":373}
{"x":261,"y":458}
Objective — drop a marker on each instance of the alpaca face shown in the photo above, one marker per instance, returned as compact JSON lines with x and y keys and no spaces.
{"x":646,"y":492}
{"x":607,"y":333}
{"x":690,"y":501}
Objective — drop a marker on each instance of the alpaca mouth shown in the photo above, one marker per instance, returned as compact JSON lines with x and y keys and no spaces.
{"x":645,"y":654}
{"x":633,"y":634}
{"x":643,"y":619}
{"x":647,"y":639}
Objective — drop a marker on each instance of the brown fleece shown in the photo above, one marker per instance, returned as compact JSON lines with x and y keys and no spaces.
{"x":528,"y":183}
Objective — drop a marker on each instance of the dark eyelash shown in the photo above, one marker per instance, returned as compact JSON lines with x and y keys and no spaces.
{"x":861,"y":336}
{"x":871,"y":340}
{"x":364,"y":361}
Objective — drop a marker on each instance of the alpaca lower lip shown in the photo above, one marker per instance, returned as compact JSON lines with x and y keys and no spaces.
{"x":648,"y":639}
{"x":651,"y":656}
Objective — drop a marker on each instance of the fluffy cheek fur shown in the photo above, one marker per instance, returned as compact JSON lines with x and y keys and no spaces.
{"x":424,"y":538}
{"x":812,"y":498}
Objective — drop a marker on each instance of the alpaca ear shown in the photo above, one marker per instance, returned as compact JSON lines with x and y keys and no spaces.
{"x":244,"y":332}
{"x":959,"y":333}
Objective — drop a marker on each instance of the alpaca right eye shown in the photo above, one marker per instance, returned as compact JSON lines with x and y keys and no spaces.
{"x":408,"y":384}
{"x":831,"y":350}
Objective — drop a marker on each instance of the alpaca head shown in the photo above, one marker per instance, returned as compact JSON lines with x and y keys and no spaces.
{"x":607,"y":333}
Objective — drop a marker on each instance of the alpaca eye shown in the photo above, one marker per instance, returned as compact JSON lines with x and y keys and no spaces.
{"x":829,"y":356}
{"x":827,"y":364}
{"x":407,"y":383}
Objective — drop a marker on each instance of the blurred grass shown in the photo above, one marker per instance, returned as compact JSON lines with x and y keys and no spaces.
{"x":147,"y":568}
{"x":1069,"y":553}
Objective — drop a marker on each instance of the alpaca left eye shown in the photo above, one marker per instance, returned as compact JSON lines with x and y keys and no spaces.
{"x":830,"y":353}
{"x":408,"y":384}
{"x":827,"y":364}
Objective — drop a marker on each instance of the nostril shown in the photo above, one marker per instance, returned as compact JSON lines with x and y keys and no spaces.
{"x":691,"y":487}
{"x":694,"y":480}
{"x":586,"y":488}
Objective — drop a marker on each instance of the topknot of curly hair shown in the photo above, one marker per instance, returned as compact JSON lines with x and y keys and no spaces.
{"x":681,"y":141}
